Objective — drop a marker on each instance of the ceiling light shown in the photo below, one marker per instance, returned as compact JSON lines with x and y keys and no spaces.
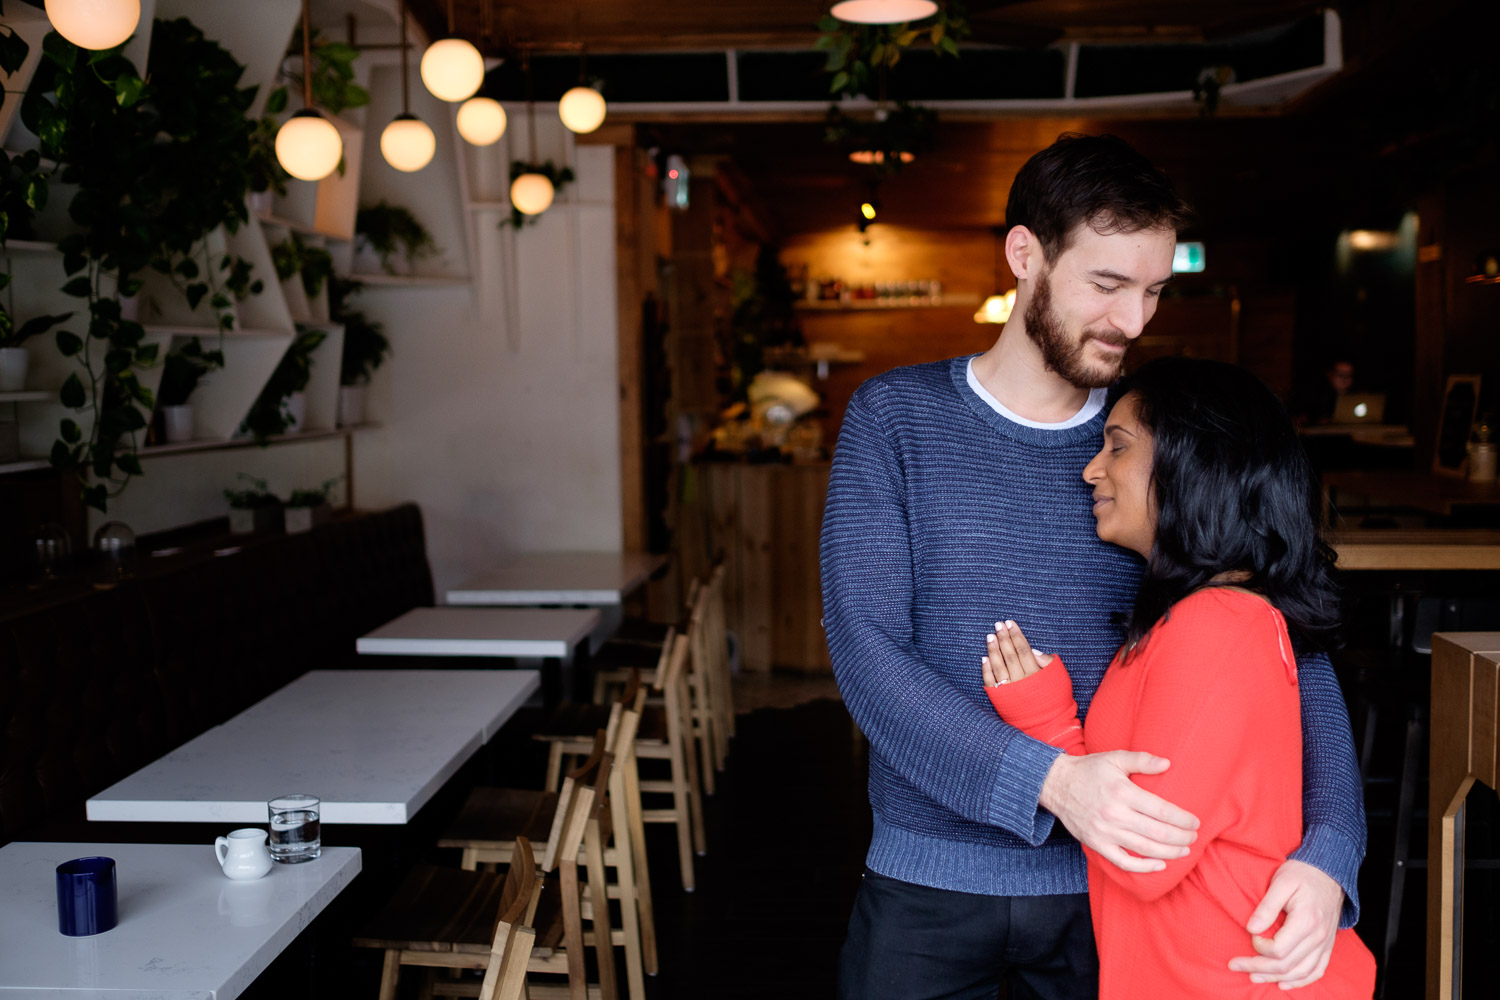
{"x":996,"y":308}
{"x":581,"y":109}
{"x":452,"y":69}
{"x":876,"y":157}
{"x":308,"y":146}
{"x":867,"y":210}
{"x":883,"y":11}
{"x":95,"y":24}
{"x":407,"y":143}
{"x":481,"y":121}
{"x":531,"y":193}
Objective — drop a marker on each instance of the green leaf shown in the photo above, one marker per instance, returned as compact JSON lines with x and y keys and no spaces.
{"x":72,"y":394}
{"x":71,"y":433}
{"x":194,"y":294}
{"x":948,"y":47}
{"x":79,"y":287}
{"x":62,"y":456}
{"x":60,"y":50}
{"x":74,"y":262}
{"x":96,"y":497}
{"x":4,"y":279}
{"x":128,"y":90}
{"x":13,"y":51}
{"x":131,"y":419}
{"x":35,"y":192}
{"x":129,"y":333}
{"x":68,"y":344}
{"x":938,"y":33}
{"x":147,"y":353}
{"x":129,"y":463}
{"x":131,"y":287}
{"x":72,"y":243}
{"x":118,"y":360}
{"x":187,"y":268}
{"x":907,"y":37}
{"x":276,"y":101}
{"x":40,"y":324}
{"x":840,"y":81}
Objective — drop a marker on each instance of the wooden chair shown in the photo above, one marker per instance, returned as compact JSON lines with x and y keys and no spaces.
{"x":664,"y":733}
{"x":446,"y":918}
{"x":515,"y":937}
{"x":492,"y":819}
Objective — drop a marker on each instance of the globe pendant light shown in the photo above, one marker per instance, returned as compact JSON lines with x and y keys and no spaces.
{"x":531,"y":193}
{"x":581,"y":109}
{"x":452,"y":68}
{"x":308,"y":146}
{"x":481,"y":121}
{"x":95,"y":24}
{"x":407,"y":143}
{"x":883,"y":11}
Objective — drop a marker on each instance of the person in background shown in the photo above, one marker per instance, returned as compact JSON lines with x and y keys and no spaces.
{"x":1337,"y":380}
{"x":1201,"y":474}
{"x":955,"y":498}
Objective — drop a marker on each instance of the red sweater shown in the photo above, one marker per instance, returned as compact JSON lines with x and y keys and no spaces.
{"x":1213,"y":688}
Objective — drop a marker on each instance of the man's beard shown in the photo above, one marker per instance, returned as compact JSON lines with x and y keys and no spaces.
{"x":1061,"y":353}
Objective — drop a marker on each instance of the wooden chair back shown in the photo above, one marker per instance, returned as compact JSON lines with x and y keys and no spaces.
{"x":505,"y":975}
{"x":555,"y":849}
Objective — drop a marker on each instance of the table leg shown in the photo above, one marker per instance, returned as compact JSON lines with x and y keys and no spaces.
{"x":1450,"y":780}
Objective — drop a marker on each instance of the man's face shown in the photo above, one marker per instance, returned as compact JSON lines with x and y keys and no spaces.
{"x":1088,"y":305}
{"x":1341,"y":376}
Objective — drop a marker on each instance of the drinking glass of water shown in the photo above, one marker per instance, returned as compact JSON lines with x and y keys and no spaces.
{"x":295,"y":832}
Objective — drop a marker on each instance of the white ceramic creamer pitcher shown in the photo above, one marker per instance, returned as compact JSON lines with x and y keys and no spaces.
{"x":243,"y":854}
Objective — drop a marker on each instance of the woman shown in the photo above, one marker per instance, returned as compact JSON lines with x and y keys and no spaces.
{"x":1201,"y":474}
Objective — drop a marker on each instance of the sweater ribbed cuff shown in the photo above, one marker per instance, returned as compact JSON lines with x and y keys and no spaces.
{"x":1337,"y":856}
{"x":1013,"y":803}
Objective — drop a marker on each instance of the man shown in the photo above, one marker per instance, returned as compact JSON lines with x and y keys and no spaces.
{"x":956,"y":500}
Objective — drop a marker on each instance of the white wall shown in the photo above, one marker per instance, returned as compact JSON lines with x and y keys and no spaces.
{"x":499,"y":408}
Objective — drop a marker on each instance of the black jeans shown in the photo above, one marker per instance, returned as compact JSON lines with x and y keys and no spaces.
{"x":910,"y":942}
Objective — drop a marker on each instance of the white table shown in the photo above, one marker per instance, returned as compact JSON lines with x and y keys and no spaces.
{"x":374,"y":745}
{"x":577,"y":578}
{"x":548,"y":635}
{"x":185,"y":930}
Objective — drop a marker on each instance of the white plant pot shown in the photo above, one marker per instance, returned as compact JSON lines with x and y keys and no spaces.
{"x":13,"y":364}
{"x":351,"y":405}
{"x":300,"y":519}
{"x":296,"y":408}
{"x":177,"y":423}
{"x":247,"y":522}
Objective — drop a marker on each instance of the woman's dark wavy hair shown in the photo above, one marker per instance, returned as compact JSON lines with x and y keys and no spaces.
{"x":1234,"y":492}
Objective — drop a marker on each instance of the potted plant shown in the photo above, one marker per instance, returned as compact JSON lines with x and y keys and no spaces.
{"x":393,"y":236}
{"x":14,"y":358}
{"x":252,"y":508}
{"x":365,"y":349}
{"x":279,"y":408}
{"x":293,"y":258}
{"x":559,"y":177}
{"x":306,"y":509}
{"x":183,"y":369}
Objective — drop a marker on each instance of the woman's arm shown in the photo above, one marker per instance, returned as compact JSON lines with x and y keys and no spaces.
{"x":1037,"y":701}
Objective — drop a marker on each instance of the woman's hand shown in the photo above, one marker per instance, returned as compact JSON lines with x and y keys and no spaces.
{"x":1009,"y":657}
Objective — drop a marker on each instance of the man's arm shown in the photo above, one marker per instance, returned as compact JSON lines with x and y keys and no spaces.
{"x":938,"y":738}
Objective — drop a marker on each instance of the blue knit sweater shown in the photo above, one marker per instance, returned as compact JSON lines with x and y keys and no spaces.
{"x":943,"y":517}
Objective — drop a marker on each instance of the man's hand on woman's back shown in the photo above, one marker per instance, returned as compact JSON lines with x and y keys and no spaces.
{"x":1095,"y":799}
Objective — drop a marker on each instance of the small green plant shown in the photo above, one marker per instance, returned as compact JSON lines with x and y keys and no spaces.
{"x":270,"y":415}
{"x":365,"y":343}
{"x":252,"y":497}
{"x":293,"y":256}
{"x":183,"y":369}
{"x":390,"y":229}
{"x":333,"y":85}
{"x":315,"y":497}
{"x":560,"y":177}
{"x":14,"y":336}
{"x":860,"y":54}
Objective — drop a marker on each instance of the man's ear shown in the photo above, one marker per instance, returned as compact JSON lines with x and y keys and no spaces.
{"x":1023,"y":253}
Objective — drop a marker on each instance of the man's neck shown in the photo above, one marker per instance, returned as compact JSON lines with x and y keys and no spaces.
{"x":1014,"y":373}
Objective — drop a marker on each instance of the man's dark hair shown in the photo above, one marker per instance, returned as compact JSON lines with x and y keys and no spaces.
{"x":1098,"y":180}
{"x":1234,"y":492}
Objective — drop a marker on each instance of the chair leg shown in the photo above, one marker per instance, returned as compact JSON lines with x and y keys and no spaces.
{"x":604,"y":948}
{"x":390,"y":972}
{"x":1415,"y":727}
{"x":554,"y":766}
{"x":694,"y":799}
{"x":578,"y":987}
{"x":641,"y":871}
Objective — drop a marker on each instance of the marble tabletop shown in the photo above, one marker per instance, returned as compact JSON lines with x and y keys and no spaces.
{"x":534,"y":578}
{"x":185,"y":930}
{"x":374,"y":745}
{"x":521,"y":632}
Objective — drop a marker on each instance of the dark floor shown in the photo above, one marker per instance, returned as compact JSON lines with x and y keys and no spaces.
{"x":787,"y":832}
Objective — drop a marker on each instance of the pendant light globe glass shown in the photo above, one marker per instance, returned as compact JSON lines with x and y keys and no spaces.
{"x":452,"y":69}
{"x":308,"y":146}
{"x":407,"y":143}
{"x":95,"y":24}
{"x":883,"y":11}
{"x":481,"y":121}
{"x":531,"y":194}
{"x":581,"y":109}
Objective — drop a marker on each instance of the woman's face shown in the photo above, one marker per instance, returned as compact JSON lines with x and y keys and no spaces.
{"x":1124,"y":509}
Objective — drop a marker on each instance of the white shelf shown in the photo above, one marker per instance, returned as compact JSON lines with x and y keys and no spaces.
{"x":208,"y":331}
{"x":860,"y":305}
{"x":34,"y":396}
{"x":411,"y":280}
{"x":29,"y":246}
{"x":24,"y":465}
{"x":182,"y":447}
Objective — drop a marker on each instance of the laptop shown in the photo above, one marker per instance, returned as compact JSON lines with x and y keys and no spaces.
{"x":1359,"y":408}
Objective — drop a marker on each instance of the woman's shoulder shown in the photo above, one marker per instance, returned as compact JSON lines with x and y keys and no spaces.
{"x":1226,"y":620}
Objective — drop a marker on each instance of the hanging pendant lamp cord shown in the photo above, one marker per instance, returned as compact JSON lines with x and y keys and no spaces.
{"x":530,"y":107}
{"x":307,"y":70}
{"x":405,"y":87}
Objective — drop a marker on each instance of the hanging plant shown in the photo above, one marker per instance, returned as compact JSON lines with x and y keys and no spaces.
{"x":560,"y":177}
{"x":270,"y":414}
{"x":859,"y":54}
{"x":158,"y":167}
{"x":293,"y":256}
{"x":391,"y":229}
{"x":888,"y":140}
{"x":365,"y":344}
{"x":183,"y":369}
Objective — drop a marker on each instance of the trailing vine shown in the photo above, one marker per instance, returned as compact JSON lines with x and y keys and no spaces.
{"x":158,"y":166}
{"x":859,"y":54}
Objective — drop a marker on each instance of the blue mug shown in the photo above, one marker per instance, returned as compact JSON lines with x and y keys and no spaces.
{"x":87,"y":900}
